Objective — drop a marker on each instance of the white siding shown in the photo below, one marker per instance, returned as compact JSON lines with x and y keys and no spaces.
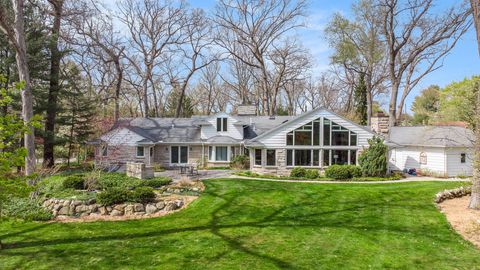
{"x":409,"y":157}
{"x":121,"y":136}
{"x":233,"y":131}
{"x":454,"y":165}
{"x":278,"y":138}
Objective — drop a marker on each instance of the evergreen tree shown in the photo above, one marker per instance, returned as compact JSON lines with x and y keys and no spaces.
{"x":373,"y":160}
{"x":77,"y":110}
{"x":360,"y":103}
{"x":173,"y":99}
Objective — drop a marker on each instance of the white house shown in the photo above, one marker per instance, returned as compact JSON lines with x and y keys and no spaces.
{"x":276,"y":144}
{"x":445,"y":151}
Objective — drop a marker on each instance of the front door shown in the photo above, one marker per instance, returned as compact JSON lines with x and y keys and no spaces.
{"x":179,"y":154}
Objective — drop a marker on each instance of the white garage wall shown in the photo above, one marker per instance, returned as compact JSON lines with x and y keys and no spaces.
{"x":409,"y":157}
{"x":454,"y":165}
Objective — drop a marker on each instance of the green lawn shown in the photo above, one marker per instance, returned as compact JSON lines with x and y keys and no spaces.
{"x":259,"y":225}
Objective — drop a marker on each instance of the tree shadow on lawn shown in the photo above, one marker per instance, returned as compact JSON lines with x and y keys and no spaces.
{"x":291,"y":215}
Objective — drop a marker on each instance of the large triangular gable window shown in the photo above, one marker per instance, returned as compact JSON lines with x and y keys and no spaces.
{"x":311,"y":134}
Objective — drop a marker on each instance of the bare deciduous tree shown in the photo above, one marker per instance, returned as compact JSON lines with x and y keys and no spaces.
{"x":14,"y":29}
{"x":417,"y":39}
{"x":258,"y":28}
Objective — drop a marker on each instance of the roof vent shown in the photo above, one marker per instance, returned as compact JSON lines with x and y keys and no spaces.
{"x":271,"y":117}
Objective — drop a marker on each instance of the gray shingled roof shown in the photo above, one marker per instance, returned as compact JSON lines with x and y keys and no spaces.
{"x":261,"y":124}
{"x":441,"y":136}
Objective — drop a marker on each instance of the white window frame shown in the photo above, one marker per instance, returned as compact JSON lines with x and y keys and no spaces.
{"x":255,"y":157}
{"x":213,"y":157}
{"x":223,"y":128}
{"x":136,"y":151}
{"x":104,"y":151}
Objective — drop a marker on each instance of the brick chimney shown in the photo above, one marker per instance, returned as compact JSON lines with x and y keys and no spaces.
{"x":379,"y":123}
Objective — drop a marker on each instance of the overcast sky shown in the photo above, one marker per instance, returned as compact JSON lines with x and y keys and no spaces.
{"x":462,"y":62}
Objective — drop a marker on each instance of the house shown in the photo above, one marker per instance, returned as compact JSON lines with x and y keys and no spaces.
{"x":275,"y":144}
{"x":445,"y":151}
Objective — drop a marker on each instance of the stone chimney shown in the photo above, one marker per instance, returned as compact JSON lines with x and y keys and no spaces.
{"x":380,"y":123}
{"x":246,"y":110}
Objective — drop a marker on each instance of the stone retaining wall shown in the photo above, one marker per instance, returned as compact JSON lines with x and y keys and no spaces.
{"x":76,"y":208}
{"x":452,"y":193}
{"x":139,"y":170}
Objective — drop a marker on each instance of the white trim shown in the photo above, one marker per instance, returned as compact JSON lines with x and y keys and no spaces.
{"x":213,"y":158}
{"x":136,"y":151}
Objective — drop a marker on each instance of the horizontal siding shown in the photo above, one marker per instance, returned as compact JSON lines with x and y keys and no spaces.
{"x":233,"y":131}
{"x":278,"y":139}
{"x":121,"y":136}
{"x":454,"y":165}
{"x":409,"y":158}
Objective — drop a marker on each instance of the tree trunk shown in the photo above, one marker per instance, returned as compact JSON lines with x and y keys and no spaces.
{"x":49,"y":143}
{"x":24,"y":75}
{"x":475,"y":197}
{"x":118,"y":88}
{"x":392,"y":111}
{"x":369,"y":108}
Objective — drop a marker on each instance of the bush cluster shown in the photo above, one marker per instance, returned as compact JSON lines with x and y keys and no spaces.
{"x":117,"y":195}
{"x":240,"y":162}
{"x":156,"y":182}
{"x":27,"y":209}
{"x":74,"y":182}
{"x":342,"y":172}
{"x":299,"y":172}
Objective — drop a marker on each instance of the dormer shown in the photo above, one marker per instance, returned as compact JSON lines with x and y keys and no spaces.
{"x":222,"y":124}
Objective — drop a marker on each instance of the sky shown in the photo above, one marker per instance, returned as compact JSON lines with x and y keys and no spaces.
{"x":463,"y":61}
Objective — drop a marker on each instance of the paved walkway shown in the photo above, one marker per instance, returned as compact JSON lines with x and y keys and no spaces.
{"x":202,"y":174}
{"x":406,"y":180}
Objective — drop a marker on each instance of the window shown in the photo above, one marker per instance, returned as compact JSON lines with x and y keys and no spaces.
{"x":221,"y":153}
{"x":290,"y":138}
{"x":307,"y":134}
{"x":271,"y":158}
{"x":326,"y":131}
{"x":222,"y":124}
{"x":210,"y":153}
{"x":151,"y":151}
{"x":316,"y":158}
{"x":303,"y":157}
{"x":104,"y":150}
{"x":353,"y":139}
{"x":316,"y":132}
{"x":423,"y":158}
{"x":258,"y":157}
{"x":289,"y":157}
{"x":340,"y":157}
{"x":326,"y":158}
{"x":303,"y":138}
{"x":178,"y":154}
{"x":463,"y":158}
{"x":140,"y":151}
{"x":353,"y":157}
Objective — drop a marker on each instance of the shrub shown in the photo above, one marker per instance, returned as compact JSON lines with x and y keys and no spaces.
{"x":74,"y":181}
{"x":373,"y":160}
{"x":338,"y":172}
{"x":113,"y":196}
{"x":110,"y":180}
{"x":91,"y":180}
{"x":142,"y":195}
{"x":240,"y":162}
{"x":156,"y":182}
{"x":27,"y":209}
{"x":312,"y":174}
{"x":298,"y":172}
{"x":355,"y":171}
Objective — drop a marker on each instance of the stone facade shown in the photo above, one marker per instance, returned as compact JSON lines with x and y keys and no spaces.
{"x":76,"y":208}
{"x":380,"y":123}
{"x":279,"y":169}
{"x":139,"y":170}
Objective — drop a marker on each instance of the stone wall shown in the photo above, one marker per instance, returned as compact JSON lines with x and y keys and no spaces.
{"x":380,"y":123}
{"x":76,"y":208}
{"x":139,"y":170}
{"x":452,"y":193}
{"x":280,"y":169}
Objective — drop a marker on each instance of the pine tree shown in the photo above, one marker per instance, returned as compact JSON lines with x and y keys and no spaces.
{"x":77,"y":110}
{"x":187,"y":107}
{"x":361,"y":101}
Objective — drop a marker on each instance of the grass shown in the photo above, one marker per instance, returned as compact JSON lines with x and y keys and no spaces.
{"x":321,"y":178}
{"x":259,"y":225}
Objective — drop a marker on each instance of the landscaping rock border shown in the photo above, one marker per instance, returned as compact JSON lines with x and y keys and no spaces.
{"x":452,"y":193}
{"x":77,"y":208}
